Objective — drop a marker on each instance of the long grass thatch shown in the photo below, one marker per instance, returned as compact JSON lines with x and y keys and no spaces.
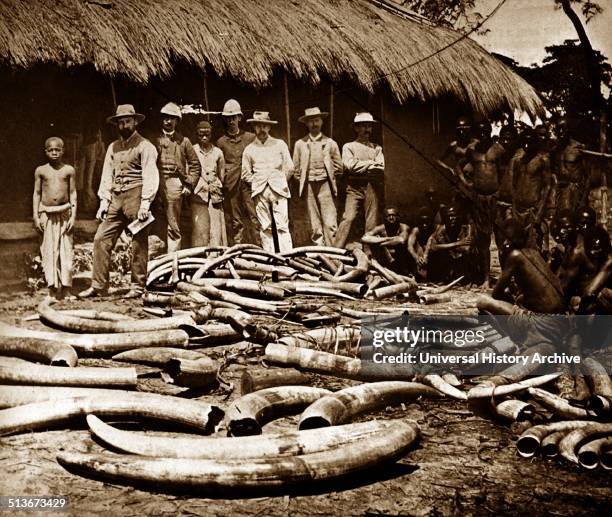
{"x":250,"y":39}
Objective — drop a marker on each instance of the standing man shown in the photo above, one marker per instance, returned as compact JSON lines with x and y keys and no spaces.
{"x":531,"y":183}
{"x":128,"y":185}
{"x":179,"y":170}
{"x":266,"y":167}
{"x":317,"y":160}
{"x":364,"y":166}
{"x":238,"y":202}
{"x":569,"y":169}
{"x":207,"y":219}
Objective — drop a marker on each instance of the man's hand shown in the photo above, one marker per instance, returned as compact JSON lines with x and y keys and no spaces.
{"x":421,"y":261}
{"x":143,"y":213}
{"x":38,"y":224}
{"x":70,"y":225}
{"x":102,"y":212}
{"x":186,"y":191}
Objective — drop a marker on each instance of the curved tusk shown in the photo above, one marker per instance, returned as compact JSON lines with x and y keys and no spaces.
{"x":30,"y":417}
{"x":328,"y":250}
{"x":156,"y":356}
{"x":486,"y":391}
{"x":84,"y":325}
{"x":559,"y":405}
{"x":596,"y":374}
{"x":452,"y":379}
{"x":529,"y":442}
{"x":227,"y":296}
{"x":550,"y":444}
{"x":247,"y":286}
{"x":257,"y":473}
{"x":395,"y":289}
{"x":248,"y":414}
{"x":572,"y":440}
{"x":289,"y":443}
{"x":360,"y":270}
{"x":435,"y":381}
{"x":183,"y":254}
{"x":592,"y":453}
{"x":39,"y":350}
{"x":342,"y":335}
{"x":42,"y":375}
{"x":515,"y":410}
{"x":343,"y":405}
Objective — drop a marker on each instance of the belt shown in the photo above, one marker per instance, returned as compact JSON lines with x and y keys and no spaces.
{"x":171,"y":174}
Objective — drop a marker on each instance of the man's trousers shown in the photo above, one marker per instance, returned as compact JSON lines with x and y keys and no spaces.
{"x":269,"y":204}
{"x":322,"y":212}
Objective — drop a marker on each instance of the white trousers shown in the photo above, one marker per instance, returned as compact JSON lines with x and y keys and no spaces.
{"x":269,"y":204}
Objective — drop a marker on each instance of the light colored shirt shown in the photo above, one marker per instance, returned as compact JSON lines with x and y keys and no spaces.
{"x":213,"y":164}
{"x":316,"y":164}
{"x":129,"y":164}
{"x":267,"y":164}
{"x":363,"y":160}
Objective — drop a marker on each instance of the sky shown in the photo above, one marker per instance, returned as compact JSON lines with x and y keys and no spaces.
{"x":522,"y":28}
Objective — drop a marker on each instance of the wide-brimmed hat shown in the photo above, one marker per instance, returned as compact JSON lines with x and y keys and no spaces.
{"x":172,"y":110}
{"x":231,"y":108}
{"x":364,"y":116}
{"x":125,"y":110}
{"x":311,"y":113}
{"x":261,"y":117}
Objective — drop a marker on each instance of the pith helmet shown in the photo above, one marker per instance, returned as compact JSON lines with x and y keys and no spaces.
{"x":231,"y":108}
{"x":172,"y":110}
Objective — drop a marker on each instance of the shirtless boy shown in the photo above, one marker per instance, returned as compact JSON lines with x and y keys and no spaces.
{"x":417,"y":241}
{"x":389,"y":243}
{"x":54,"y":209}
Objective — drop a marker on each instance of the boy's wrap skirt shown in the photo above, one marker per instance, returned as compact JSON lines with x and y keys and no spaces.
{"x":56,"y":249}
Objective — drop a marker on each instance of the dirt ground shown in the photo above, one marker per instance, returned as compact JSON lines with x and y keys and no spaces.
{"x":463,"y":464}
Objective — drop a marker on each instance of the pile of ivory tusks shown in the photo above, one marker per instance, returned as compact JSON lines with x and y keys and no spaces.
{"x":247,"y":277}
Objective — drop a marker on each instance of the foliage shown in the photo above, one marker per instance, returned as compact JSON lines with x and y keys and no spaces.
{"x":588,"y":8}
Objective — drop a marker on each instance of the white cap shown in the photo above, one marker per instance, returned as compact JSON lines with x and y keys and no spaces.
{"x":231,"y":108}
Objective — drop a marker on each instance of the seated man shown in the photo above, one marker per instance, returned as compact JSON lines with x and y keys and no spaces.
{"x":562,"y":230}
{"x":389,"y":243}
{"x":451,"y":249}
{"x":589,"y":273}
{"x":417,"y":241}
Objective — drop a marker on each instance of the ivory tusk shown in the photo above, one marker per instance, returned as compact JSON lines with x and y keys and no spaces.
{"x":572,"y":440}
{"x":328,"y":250}
{"x":550,"y":444}
{"x":597,"y":376}
{"x":84,"y":325}
{"x":176,"y":411}
{"x":515,"y":410}
{"x":591,"y":453}
{"x":247,"y":415}
{"x":559,"y":405}
{"x":529,"y":442}
{"x":442,"y":386}
{"x":487,"y":391}
{"x":247,"y":286}
{"x":227,"y":296}
{"x":156,"y":356}
{"x":343,"y":405}
{"x":289,"y":443}
{"x":394,"y":290}
{"x":39,"y":350}
{"x":258,"y":473}
{"x":452,"y":379}
{"x":42,"y":375}
{"x":255,"y":380}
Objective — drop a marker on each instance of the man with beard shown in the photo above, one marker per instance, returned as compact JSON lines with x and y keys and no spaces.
{"x":451,"y":249}
{"x":128,"y":185}
{"x":417,"y":242}
{"x":531,"y":183}
{"x":179,"y":170}
{"x":238,"y":202}
{"x":364,"y":168}
{"x":317,"y":161}
{"x":388,"y":243}
{"x":485,"y":158}
{"x":569,"y":169}
{"x":266,"y":167}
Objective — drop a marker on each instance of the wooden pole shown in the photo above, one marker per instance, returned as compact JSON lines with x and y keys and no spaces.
{"x":287,"y":111}
{"x":205,"y":84}
{"x":603,"y":148}
{"x":113,"y":93}
{"x":331,"y":110}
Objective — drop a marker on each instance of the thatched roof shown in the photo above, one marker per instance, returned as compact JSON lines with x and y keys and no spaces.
{"x":250,"y":39}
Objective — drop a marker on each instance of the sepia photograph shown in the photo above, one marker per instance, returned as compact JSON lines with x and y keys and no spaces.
{"x":306,"y":257}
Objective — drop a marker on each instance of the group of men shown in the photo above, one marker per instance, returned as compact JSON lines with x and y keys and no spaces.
{"x":246,"y":174}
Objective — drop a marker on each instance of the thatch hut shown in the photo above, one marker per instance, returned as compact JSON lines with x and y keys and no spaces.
{"x":66,"y":63}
